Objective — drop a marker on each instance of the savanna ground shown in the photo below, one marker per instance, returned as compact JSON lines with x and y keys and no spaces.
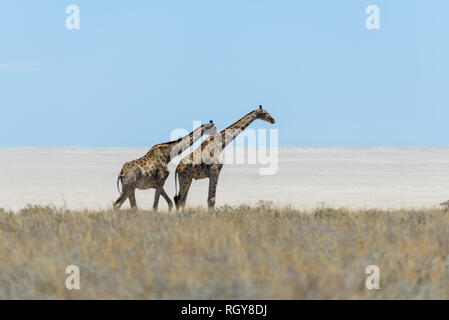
{"x":235,"y":253}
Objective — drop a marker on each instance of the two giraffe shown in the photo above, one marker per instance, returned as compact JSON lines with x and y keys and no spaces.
{"x":151,"y":171}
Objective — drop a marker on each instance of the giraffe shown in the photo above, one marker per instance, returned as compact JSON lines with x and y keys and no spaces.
{"x":151,"y":170}
{"x":205,"y":161}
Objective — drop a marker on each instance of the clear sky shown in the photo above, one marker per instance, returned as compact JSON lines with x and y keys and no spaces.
{"x":136,"y":70}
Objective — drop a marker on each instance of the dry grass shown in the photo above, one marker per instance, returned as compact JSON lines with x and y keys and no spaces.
{"x":235,"y":253}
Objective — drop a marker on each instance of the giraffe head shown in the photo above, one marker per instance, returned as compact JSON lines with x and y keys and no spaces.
{"x":263,"y":114}
{"x":209,"y":128}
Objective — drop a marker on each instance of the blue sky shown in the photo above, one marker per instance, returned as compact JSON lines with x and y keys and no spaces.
{"x":136,"y":70}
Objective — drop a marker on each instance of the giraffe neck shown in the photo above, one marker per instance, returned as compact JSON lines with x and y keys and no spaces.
{"x":185,"y":142}
{"x":232,"y":132}
{"x":169,"y":150}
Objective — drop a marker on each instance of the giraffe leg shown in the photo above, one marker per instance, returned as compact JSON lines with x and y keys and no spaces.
{"x":184,"y":196}
{"x":132,"y":200}
{"x":118,"y":203}
{"x":157,"y":195}
{"x":167,"y":198}
{"x":184,"y":185}
{"x":213,"y":181}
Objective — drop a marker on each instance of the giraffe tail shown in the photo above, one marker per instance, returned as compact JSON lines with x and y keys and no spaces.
{"x":176,"y":183}
{"x":176,"y":198}
{"x":119,"y":180}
